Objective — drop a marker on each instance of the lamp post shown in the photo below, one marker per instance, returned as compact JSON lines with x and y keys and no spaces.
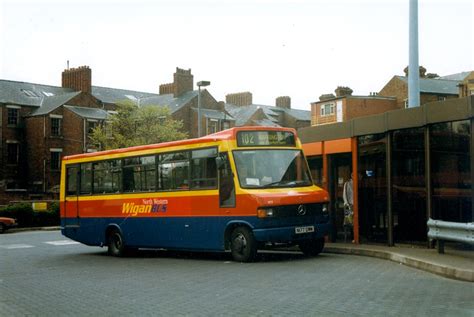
{"x":200,"y":84}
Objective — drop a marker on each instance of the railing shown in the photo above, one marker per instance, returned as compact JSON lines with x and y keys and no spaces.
{"x":442,"y":231}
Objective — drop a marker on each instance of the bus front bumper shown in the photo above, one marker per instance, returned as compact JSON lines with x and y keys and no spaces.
{"x":292,"y":233}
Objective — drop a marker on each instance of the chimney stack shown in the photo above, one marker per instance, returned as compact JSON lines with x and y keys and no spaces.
{"x":421,"y":70}
{"x":183,"y":81}
{"x":239,"y":99}
{"x":283,"y":102}
{"x":326,"y":97}
{"x":343,"y":91}
{"x":78,"y":79}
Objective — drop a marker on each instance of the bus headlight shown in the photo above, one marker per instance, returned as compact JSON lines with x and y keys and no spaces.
{"x":265,"y":212}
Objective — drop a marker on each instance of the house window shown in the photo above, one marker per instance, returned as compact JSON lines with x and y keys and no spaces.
{"x":56,"y":126}
{"x":12,"y":115}
{"x":225,"y":125}
{"x":56,"y":159}
{"x":212,"y":126}
{"x":327,"y":109}
{"x":441,"y":98}
{"x":12,"y":152}
{"x":406,"y":103}
{"x":91,"y":125}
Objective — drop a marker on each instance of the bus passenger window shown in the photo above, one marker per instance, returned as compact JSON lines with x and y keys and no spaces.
{"x":71,"y":182}
{"x":174,"y":171}
{"x":116,"y":175}
{"x":86,"y":179}
{"x":128,"y":174}
{"x":139,"y":174}
{"x":101,"y":178}
{"x":204,"y":169}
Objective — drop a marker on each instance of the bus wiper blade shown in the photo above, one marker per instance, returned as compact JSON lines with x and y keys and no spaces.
{"x":287,"y":183}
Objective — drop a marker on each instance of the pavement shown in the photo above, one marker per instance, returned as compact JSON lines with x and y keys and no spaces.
{"x":456,"y":263}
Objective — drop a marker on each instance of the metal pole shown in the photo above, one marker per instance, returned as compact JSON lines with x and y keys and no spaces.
{"x":471,"y":101}
{"x":388,"y":174}
{"x":413,"y":67}
{"x":428,"y":186}
{"x":199,"y":111}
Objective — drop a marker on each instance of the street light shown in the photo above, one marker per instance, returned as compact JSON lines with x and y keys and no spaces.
{"x":200,"y":84}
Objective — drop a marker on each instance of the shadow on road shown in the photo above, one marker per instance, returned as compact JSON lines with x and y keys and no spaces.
{"x":262,"y":256}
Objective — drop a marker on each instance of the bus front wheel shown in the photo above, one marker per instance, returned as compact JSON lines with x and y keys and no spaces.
{"x":312,"y":247}
{"x":116,"y":247}
{"x":243,"y":245}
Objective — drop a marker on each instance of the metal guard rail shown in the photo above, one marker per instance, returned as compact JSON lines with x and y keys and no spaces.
{"x":450,"y":231}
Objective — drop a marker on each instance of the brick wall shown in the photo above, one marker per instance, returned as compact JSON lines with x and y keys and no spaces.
{"x":359,"y":107}
{"x":398,"y":89}
{"x":13,"y":172}
{"x":316,"y":118}
{"x":352,"y":107}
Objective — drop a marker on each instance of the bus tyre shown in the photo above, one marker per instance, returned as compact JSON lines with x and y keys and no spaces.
{"x":243,"y":245}
{"x":116,"y":247}
{"x":312,"y":247}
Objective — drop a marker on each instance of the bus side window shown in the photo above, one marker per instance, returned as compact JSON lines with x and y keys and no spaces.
{"x":226,"y":182}
{"x":86,"y":179}
{"x":71,"y":181}
{"x":173,"y":171}
{"x":203,"y":168}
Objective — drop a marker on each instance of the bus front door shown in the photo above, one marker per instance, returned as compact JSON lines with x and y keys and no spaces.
{"x":226,"y":183}
{"x":71,"y":202}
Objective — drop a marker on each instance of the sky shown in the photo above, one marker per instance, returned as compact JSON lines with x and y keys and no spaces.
{"x":296,"y":48}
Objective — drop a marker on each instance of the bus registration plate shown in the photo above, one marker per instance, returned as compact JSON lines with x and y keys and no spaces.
{"x":307,"y":229}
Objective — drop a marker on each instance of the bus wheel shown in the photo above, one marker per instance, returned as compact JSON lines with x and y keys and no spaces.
{"x":312,"y":247}
{"x":116,"y":247}
{"x":243,"y":245}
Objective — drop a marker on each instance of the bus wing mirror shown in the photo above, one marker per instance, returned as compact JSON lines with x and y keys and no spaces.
{"x":220,"y":162}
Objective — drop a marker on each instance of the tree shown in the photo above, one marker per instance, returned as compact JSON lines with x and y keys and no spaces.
{"x":132,"y":126}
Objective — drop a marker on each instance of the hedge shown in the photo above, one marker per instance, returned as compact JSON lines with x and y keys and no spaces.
{"x":26,"y":217}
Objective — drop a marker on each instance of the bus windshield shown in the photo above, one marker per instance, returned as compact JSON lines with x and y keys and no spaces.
{"x":267,"y":168}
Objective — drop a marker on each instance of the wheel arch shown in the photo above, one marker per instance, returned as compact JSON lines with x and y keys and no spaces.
{"x":110,"y":228}
{"x":230,"y":227}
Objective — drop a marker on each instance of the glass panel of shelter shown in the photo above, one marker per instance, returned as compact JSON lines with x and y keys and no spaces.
{"x":373,"y":217}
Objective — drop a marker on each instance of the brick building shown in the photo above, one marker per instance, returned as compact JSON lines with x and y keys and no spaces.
{"x":394,"y":95}
{"x":344,"y":106}
{"x":39,"y":124}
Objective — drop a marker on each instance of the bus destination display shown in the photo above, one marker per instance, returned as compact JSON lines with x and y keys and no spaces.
{"x":265,"y":138}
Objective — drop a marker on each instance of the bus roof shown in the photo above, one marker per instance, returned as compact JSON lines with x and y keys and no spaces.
{"x":229,"y":134}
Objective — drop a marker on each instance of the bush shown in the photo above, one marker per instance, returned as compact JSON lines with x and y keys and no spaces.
{"x":23,"y":213}
{"x":26,"y":217}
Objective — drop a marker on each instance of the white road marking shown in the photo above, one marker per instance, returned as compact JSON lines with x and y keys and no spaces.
{"x":62,"y":242}
{"x":16,"y":246}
